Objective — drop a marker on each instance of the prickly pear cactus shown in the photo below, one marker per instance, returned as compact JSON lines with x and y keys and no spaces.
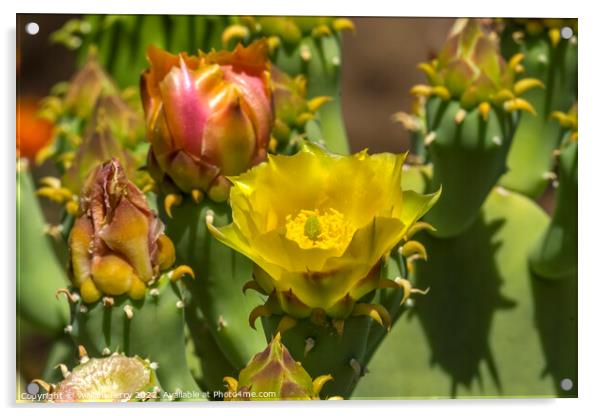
{"x":555,"y":256}
{"x":549,"y":48}
{"x":473,"y":97}
{"x":35,"y":296}
{"x":223,"y":244}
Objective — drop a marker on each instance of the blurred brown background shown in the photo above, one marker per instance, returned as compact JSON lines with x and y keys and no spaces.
{"x":379,"y":67}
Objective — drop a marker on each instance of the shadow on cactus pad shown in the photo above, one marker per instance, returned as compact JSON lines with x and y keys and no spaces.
{"x":488,"y":327}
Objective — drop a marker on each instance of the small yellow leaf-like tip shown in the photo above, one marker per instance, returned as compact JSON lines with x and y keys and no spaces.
{"x":484,"y":109}
{"x":286,"y":323}
{"x":421,"y":90}
{"x":419,"y":226}
{"x":170,"y":201}
{"x":375,"y":311}
{"x":519,"y":104}
{"x":238,"y":32}
{"x":515,"y":61}
{"x":180,"y":272}
{"x":414,"y":249}
{"x":343,"y":23}
{"x":258,"y":312}
{"x":252,"y":285}
{"x":304,"y":118}
{"x":427,"y":68}
{"x":318,"y":102}
{"x":554,"y":35}
{"x":319,"y":382}
{"x":441,"y":92}
{"x":525,"y":84}
{"x":197,"y":195}
{"x":320,"y":31}
{"x":231,"y":383}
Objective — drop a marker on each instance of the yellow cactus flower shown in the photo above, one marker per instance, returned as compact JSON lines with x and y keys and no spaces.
{"x":317,"y":225}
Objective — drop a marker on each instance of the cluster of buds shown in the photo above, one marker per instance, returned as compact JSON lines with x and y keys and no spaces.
{"x":284,"y":31}
{"x":530,"y":27}
{"x":93,"y":124}
{"x":470,"y":69}
{"x":291,"y":107}
{"x":207,"y":117}
{"x":117,"y":244}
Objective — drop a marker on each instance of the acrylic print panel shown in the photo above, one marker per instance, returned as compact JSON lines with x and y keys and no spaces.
{"x":198,"y":218}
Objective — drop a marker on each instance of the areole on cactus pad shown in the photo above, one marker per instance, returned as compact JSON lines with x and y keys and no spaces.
{"x":317,"y":250}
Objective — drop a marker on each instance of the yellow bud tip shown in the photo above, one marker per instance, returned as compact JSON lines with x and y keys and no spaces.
{"x":554,"y":35}
{"x":317,"y":102}
{"x":515,"y":61}
{"x":342,"y":23}
{"x":72,"y":207}
{"x":259,"y":311}
{"x":484,"y":109}
{"x":525,"y":84}
{"x":237,"y":32}
{"x":170,"y":201}
{"x":414,"y":249}
{"x":519,"y":104}
{"x":51,"y":182}
{"x":375,"y":311}
{"x":273,"y":146}
{"x":285,"y":324}
{"x":421,"y":90}
{"x":320,"y":31}
{"x":441,"y":92}
{"x":319,"y":382}
{"x":231,"y":383}
{"x":180,"y":272}
{"x":197,"y":195}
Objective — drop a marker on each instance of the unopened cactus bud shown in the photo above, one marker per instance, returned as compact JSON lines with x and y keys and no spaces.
{"x":117,"y":243}
{"x":291,"y":107}
{"x":99,"y":145}
{"x":469,"y":68}
{"x":273,"y":374}
{"x":111,"y":379}
{"x":86,"y":87}
{"x":207,"y":116}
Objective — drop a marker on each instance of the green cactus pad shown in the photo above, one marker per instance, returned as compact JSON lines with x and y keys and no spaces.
{"x":468,"y":159}
{"x":220,"y":275}
{"x":555,"y":255}
{"x":461,"y":340}
{"x":133,"y":328}
{"x":530,"y":157}
{"x":37,"y":279}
